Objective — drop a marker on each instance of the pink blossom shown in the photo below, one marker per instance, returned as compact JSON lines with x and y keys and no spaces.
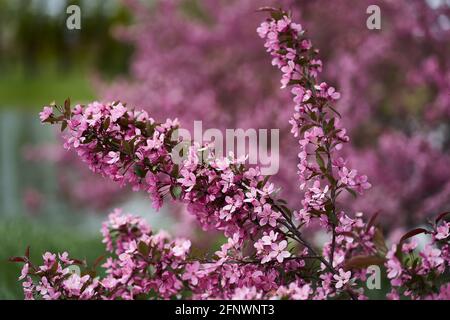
{"x":432,"y":257}
{"x":342,"y":278}
{"x":181,"y":248}
{"x":442,"y":231}
{"x":278,"y":251}
{"x":117,"y":111}
{"x":46,"y":113}
{"x":24,"y":271}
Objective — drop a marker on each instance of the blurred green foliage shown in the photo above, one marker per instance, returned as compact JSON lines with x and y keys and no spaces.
{"x":21,"y":91}
{"x":41,"y":60}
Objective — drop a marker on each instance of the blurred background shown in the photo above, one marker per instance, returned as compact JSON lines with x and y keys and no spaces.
{"x":202,"y":60}
{"x":40,"y":61}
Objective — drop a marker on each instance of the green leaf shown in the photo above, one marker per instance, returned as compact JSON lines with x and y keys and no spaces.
{"x":306,"y":127}
{"x":320,"y":161}
{"x":332,"y":217}
{"x":140,"y":171}
{"x":334,"y":110}
{"x":106,"y":123}
{"x":263,"y":183}
{"x":331,"y":179}
{"x":127,"y":148}
{"x":150,"y":129}
{"x":176,"y":191}
{"x":329,"y":126}
{"x":286,"y":210}
{"x":277,"y":15}
{"x":175,"y":171}
{"x":143,"y":248}
{"x":351,"y":191}
{"x":63,"y":125}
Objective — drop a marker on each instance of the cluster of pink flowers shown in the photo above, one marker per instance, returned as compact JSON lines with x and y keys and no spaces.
{"x":266,"y":254}
{"x":384,"y":111}
{"x":402,"y":115}
{"x":146,"y":265}
{"x":315,"y":122}
{"x":131,"y":148}
{"x":314,"y":118}
{"x":420,"y":273}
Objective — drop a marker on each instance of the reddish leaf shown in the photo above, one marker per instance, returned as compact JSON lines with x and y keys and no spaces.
{"x":17,"y":259}
{"x":143,"y":248}
{"x":372,"y":220}
{"x":97,"y":261}
{"x":441,"y":216}
{"x":361,"y":262}
{"x":380,"y":243}
{"x":347,"y":234}
{"x":78,"y":262}
{"x":269,"y":9}
{"x":413,"y":233}
{"x":67,"y":104}
{"x":63,"y":125}
{"x":54,"y":268}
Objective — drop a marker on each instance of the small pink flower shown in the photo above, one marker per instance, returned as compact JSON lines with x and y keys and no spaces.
{"x":342,"y":278}
{"x":263,"y":29}
{"x":409,"y":247}
{"x":74,"y":283}
{"x":117,"y":111}
{"x":394,"y":268}
{"x":113,"y":157}
{"x":443,"y":231}
{"x":301,"y":293}
{"x":188,"y":180}
{"x":49,"y":257}
{"x":393,"y":295}
{"x":181,"y":248}
{"x":333,"y":93}
{"x":191,"y":273}
{"x":278,"y":251}
{"x":432,"y":257}
{"x":46,"y":113}
{"x":24,"y":271}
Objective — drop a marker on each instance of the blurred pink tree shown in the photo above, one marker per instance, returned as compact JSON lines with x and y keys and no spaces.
{"x":199,"y":60}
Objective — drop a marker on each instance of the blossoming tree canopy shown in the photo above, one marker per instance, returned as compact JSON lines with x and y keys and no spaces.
{"x":267,"y":253}
{"x":391,"y":102}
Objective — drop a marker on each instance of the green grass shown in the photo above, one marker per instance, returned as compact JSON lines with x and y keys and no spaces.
{"x":17,"y":234}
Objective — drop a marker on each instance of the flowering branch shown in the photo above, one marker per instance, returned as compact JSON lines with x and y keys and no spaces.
{"x":129,"y":147}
